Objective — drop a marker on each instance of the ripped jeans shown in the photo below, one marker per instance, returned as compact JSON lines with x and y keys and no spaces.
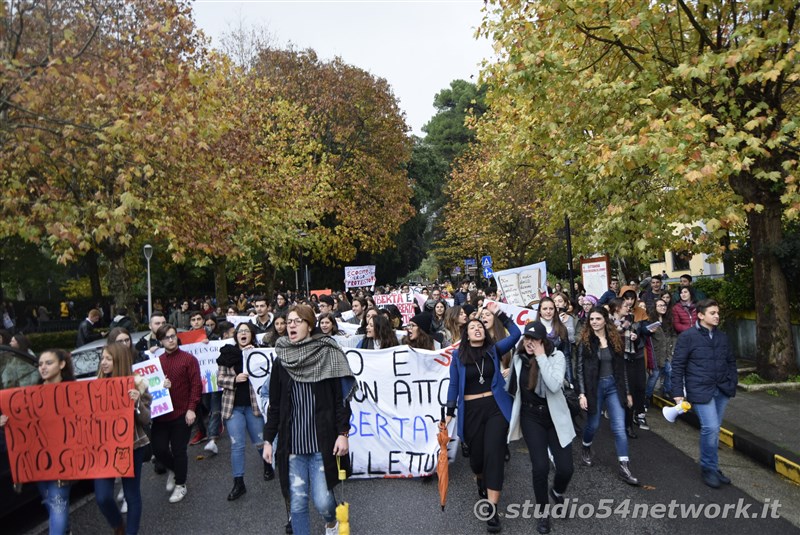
{"x":55,"y":497}
{"x":309,"y":471}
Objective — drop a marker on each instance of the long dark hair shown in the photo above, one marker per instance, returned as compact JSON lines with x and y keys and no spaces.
{"x":468,"y":354}
{"x":666,"y":321}
{"x":533,"y":375}
{"x":383,"y":331}
{"x":613,"y":337}
{"x":558,"y":326}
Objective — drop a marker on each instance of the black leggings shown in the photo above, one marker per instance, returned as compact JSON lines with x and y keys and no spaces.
{"x":169,"y":441}
{"x":485,"y":432}
{"x":539,"y":434}
{"x":637,"y":382}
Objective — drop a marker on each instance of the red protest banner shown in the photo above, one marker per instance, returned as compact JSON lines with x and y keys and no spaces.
{"x":72,"y":430}
{"x":192,"y":337}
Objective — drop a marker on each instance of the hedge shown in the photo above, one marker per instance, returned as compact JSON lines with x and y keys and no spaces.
{"x":64,"y":339}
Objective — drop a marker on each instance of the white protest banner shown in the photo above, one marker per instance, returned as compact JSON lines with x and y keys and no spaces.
{"x":359,"y":276}
{"x":522,"y":286}
{"x":395,"y":411}
{"x":595,"y":275}
{"x":403,"y":302}
{"x":206,"y":354}
{"x":153,"y":373}
{"x":236,"y":320}
{"x":521,"y":316}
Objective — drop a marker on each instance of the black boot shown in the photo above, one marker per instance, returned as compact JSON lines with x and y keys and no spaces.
{"x":269,"y":472}
{"x":493,"y":524}
{"x":586,"y":455}
{"x":482,"y":489}
{"x":626,"y":475}
{"x":630,"y":432}
{"x":543,"y":525}
{"x":238,"y":489}
{"x":464,"y":449}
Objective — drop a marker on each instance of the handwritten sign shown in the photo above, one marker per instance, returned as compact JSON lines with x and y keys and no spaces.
{"x":206,"y":354}
{"x":403,"y":302}
{"x":523,"y":286}
{"x":359,"y":276}
{"x":68,"y":431}
{"x":152,"y":372}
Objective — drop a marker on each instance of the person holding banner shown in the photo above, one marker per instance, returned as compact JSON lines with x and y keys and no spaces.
{"x":310,"y":389}
{"x":419,"y":332}
{"x":477,"y":389}
{"x":240,"y":406}
{"x":541,"y":416}
{"x":116,"y":362}
{"x":55,"y":366}
{"x":170,"y":437}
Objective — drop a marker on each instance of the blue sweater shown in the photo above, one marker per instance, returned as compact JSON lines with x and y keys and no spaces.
{"x":455,"y":392}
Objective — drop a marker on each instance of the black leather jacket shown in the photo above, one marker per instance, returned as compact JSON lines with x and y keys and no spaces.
{"x":588,"y":372}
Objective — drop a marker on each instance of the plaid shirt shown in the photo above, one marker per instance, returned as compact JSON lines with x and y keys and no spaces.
{"x":226,"y":378}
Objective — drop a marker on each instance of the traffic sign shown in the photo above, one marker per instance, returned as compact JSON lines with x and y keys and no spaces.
{"x":486,"y":261}
{"x":470,"y":262}
{"x":488,"y":273}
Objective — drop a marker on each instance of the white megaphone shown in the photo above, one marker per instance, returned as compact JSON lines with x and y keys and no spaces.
{"x":670,"y":413}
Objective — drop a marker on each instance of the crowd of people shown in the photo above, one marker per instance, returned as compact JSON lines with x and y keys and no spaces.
{"x":505,"y":384}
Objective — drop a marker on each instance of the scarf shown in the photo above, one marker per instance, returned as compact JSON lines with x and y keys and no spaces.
{"x":315,"y":359}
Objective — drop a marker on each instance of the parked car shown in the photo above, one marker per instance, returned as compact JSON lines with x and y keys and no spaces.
{"x":17,"y":368}
{"x":86,"y":359}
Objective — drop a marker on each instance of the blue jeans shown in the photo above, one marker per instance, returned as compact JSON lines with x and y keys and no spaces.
{"x":215,"y":420}
{"x":305,"y":470}
{"x":242,"y":423}
{"x":104,"y":496}
{"x":56,"y":500}
{"x":607,"y":396}
{"x":664,"y":372}
{"x":710,"y":415}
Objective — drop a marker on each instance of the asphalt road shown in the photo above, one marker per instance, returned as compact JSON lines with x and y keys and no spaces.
{"x":664,"y":460}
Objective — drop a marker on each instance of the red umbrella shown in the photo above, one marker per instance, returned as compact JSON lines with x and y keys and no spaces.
{"x":442,"y":467}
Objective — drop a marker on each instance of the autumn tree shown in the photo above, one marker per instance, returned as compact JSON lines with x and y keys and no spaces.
{"x":361,"y":136}
{"x":95,"y":113}
{"x":653,"y":114}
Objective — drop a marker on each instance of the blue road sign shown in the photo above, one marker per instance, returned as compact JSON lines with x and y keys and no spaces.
{"x":486,"y":261}
{"x":488,"y":273}
{"x":470,"y":262}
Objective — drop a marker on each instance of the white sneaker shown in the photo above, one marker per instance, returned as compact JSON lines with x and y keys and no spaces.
{"x":332,"y":531}
{"x":121,"y":495}
{"x":212,"y":447}
{"x":123,"y":508}
{"x":170,"y":481}
{"x":178,"y":494}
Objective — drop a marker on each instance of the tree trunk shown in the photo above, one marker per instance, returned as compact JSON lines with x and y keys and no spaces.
{"x":94,"y":275}
{"x":775,"y":358}
{"x":119,"y":281}
{"x":221,"y":281}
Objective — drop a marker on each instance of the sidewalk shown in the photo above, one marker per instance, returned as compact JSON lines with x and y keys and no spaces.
{"x":762,"y":426}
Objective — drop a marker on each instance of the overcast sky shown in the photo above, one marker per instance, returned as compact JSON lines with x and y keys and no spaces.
{"x":419,"y":46}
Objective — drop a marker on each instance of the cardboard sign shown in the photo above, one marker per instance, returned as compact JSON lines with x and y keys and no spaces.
{"x":522,"y":286}
{"x":596,"y":275}
{"x":68,"y":431}
{"x":359,"y":276}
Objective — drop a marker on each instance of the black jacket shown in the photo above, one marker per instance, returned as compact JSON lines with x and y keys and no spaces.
{"x":588,"y":372}
{"x":86,"y":333}
{"x":332,"y":418}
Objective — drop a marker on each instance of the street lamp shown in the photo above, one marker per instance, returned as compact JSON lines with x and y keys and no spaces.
{"x":148,"y":254}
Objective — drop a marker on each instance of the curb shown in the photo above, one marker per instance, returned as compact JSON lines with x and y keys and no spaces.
{"x":777,"y":459}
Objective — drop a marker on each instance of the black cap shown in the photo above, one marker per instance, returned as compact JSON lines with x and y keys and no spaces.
{"x":535,"y":330}
{"x":423,"y":321}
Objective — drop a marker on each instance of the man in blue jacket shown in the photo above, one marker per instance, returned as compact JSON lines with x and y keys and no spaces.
{"x":704,"y":364}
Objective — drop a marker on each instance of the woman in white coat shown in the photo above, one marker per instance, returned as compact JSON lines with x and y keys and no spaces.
{"x":541,"y":416}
